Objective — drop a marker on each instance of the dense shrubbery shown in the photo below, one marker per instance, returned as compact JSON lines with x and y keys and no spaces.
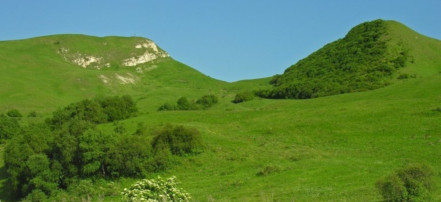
{"x":14,"y":113}
{"x":155,"y":190}
{"x":358,"y":62}
{"x":9,"y":127}
{"x":413,"y":183}
{"x":182,"y":103}
{"x":177,"y":139}
{"x":95,"y":111}
{"x":243,"y":97}
{"x":42,"y":158}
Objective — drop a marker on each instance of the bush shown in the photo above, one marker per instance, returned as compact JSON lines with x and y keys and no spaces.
{"x":14,"y":113}
{"x":207,"y":101}
{"x":9,"y":127}
{"x":243,"y":97}
{"x":155,"y":190}
{"x":178,"y":139}
{"x":413,"y":183}
{"x":167,"y":107}
{"x":182,"y":103}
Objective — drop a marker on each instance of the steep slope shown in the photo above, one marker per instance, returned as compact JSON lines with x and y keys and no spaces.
{"x":372,"y":55}
{"x":56,"y":70}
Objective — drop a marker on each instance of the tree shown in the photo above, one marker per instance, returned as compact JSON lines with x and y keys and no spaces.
{"x":178,"y":139}
{"x":9,"y":127}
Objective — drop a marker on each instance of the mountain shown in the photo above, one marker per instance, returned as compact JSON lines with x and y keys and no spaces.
{"x":372,"y":55}
{"x":59,"y":69}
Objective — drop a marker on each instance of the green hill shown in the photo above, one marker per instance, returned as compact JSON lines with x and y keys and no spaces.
{"x":44,"y":73}
{"x":372,"y":55}
{"x":332,"y":148}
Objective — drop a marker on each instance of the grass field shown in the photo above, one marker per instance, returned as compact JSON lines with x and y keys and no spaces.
{"x":326,"y":149}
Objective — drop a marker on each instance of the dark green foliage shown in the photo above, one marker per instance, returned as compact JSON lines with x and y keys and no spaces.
{"x":9,"y":127}
{"x":182,"y":103}
{"x":178,"y":139}
{"x":26,"y":161}
{"x":118,"y":108}
{"x":43,"y":158}
{"x":358,"y":62}
{"x":167,"y":107}
{"x":130,"y":156}
{"x":243,"y":97}
{"x":94,"y":147}
{"x":406,"y":76}
{"x":14,"y":113}
{"x":413,"y":183}
{"x":95,"y":111}
{"x":207,"y":101}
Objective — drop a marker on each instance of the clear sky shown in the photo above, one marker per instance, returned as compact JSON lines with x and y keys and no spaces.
{"x":225,"y":39}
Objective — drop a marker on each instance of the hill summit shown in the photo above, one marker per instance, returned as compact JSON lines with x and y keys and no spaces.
{"x":369,"y":57}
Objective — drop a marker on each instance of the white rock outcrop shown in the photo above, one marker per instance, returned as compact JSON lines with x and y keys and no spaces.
{"x":152,"y":53}
{"x":86,"y":61}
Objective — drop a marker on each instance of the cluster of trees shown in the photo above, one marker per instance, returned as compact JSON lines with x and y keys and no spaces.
{"x":9,"y":127}
{"x":68,"y":147}
{"x":243,"y":97}
{"x":413,"y":183}
{"x":182,"y":103}
{"x":358,"y":62}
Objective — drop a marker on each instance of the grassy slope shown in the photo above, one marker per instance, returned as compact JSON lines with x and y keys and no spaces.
{"x":327,"y":149}
{"x":33,"y":76}
{"x":331,"y":148}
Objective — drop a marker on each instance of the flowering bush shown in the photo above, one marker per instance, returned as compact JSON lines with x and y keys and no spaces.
{"x":155,"y":190}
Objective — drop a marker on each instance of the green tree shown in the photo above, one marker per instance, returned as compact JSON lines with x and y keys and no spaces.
{"x":94,"y":147}
{"x":178,"y":139}
{"x":9,"y":127}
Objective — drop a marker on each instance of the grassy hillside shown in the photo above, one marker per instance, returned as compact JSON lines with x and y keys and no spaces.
{"x":42,"y":74}
{"x":332,"y":148}
{"x":372,"y":55}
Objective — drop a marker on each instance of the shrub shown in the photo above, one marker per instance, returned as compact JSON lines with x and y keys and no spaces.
{"x":178,"y":139}
{"x":9,"y":127}
{"x":207,"y":101}
{"x":412,"y":183}
{"x":183,"y":103}
{"x":155,"y":190}
{"x":243,"y":97}
{"x":14,"y":113}
{"x":167,"y":107}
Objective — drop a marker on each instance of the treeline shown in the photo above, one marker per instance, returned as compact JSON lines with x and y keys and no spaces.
{"x":46,"y":157}
{"x":358,"y":62}
{"x":182,"y":103}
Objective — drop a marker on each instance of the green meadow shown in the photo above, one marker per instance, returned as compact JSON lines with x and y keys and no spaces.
{"x":332,"y":148}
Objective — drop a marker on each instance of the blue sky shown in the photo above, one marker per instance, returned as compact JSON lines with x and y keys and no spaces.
{"x":225,"y":39}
